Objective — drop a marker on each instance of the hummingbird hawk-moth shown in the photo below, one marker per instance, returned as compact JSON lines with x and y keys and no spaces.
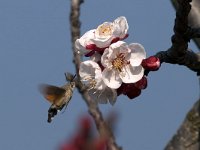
{"x":59,"y":97}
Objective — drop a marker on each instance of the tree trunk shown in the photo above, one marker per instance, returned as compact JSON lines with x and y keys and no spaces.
{"x":187,"y":136}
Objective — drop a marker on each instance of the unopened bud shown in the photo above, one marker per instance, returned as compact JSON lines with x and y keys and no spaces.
{"x":142,"y":83}
{"x":152,"y":63}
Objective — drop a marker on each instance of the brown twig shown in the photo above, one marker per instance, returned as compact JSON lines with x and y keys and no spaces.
{"x":179,"y":53}
{"x":193,"y":18}
{"x":75,"y":30}
{"x":94,"y":111}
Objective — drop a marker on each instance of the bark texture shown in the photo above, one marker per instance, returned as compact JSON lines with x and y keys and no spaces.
{"x":187,"y":136}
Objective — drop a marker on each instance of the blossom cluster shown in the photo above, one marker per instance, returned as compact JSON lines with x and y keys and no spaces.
{"x":115,"y":67}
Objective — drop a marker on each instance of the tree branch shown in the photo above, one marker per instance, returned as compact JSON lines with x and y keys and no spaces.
{"x":102,"y":127}
{"x":193,"y":18}
{"x":179,"y":53}
{"x":187,"y":137}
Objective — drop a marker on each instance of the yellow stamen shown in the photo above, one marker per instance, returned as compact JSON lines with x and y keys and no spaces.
{"x":105,"y":30}
{"x":119,"y":62}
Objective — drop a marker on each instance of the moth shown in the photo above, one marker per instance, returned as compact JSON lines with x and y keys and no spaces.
{"x":59,"y":97}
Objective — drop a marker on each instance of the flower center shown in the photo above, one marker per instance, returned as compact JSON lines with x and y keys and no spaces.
{"x":119,"y":62}
{"x":90,"y":82}
{"x":105,"y":30}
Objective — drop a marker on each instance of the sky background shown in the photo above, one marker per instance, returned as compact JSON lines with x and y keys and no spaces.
{"x":35,"y":48}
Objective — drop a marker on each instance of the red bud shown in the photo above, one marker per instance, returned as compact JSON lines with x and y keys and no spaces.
{"x":91,"y":47}
{"x":129,"y":89}
{"x":142,"y":83}
{"x":152,"y":63}
{"x":85,"y":123}
{"x":134,"y":92}
{"x":115,"y":40}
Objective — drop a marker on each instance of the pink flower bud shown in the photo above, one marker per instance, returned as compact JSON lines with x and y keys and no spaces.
{"x":133,"y":93}
{"x":100,"y":144}
{"x":129,"y":89}
{"x":85,"y":123}
{"x":142,"y":83}
{"x":121,"y":89}
{"x":152,"y":63}
{"x":115,"y":40}
{"x":91,"y":47}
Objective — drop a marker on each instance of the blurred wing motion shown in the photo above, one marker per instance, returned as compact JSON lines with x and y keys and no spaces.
{"x":56,"y":96}
{"x":51,"y":93}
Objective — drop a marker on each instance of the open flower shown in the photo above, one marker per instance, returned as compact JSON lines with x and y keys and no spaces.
{"x":122,"y":64}
{"x":91,"y":74}
{"x":100,"y":38}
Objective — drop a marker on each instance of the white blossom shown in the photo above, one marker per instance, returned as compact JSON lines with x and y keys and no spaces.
{"x":122,"y":63}
{"x":91,"y":75}
{"x":102,"y":36}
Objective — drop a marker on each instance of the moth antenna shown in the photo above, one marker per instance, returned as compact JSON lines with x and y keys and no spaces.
{"x":68,"y":78}
{"x":74,"y":77}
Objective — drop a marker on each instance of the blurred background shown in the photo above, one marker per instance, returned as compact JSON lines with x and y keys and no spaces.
{"x":35,"y":47}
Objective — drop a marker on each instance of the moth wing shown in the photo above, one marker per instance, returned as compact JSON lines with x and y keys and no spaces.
{"x":51,"y":92}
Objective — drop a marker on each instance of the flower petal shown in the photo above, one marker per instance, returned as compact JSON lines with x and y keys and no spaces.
{"x":117,"y":45}
{"x":111,"y":53}
{"x":100,"y":85}
{"x":121,"y":27}
{"x":81,"y":43}
{"x":103,"y":96}
{"x":137,"y":54}
{"x":96,"y":95}
{"x":111,"y":96}
{"x":96,"y":57}
{"x":103,"y":35}
{"x":102,"y":43}
{"x":131,"y":74}
{"x":107,"y":56}
{"x":111,"y":78}
{"x":90,"y":70}
{"x":101,"y":38}
{"x":104,"y":31}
